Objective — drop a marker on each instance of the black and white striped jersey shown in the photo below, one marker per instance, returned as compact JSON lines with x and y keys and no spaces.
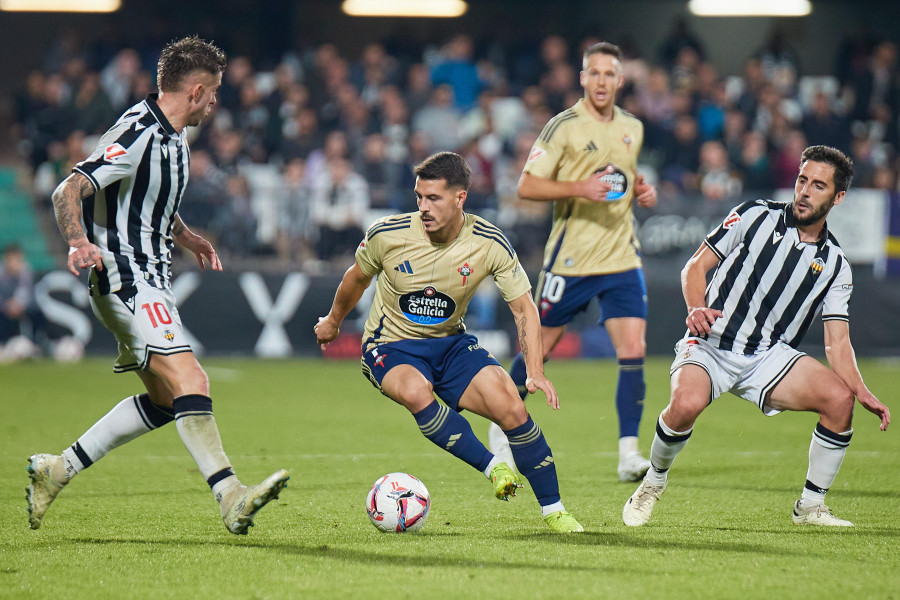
{"x":139,"y":171}
{"x":769,"y":285}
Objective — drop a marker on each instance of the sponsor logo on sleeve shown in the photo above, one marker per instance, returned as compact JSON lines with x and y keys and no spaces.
{"x":535,"y":154}
{"x":731,"y":220}
{"x":114,"y":152}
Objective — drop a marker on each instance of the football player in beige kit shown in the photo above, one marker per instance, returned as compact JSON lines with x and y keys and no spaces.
{"x":585,"y":161}
{"x":415,"y":344}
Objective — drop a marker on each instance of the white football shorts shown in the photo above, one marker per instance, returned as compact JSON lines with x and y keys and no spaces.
{"x":144,"y":320}
{"x":749,"y":377}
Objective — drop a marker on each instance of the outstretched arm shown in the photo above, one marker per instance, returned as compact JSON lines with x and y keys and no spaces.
{"x":347,"y":295}
{"x":67,"y":199}
{"x":842,"y":359}
{"x":528,"y":325}
{"x":192,"y":242}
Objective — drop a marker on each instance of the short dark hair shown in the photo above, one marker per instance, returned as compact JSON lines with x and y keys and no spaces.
{"x":445,"y":165}
{"x":12,"y":248}
{"x":181,"y":57}
{"x":604,"y":48}
{"x":843,"y":166}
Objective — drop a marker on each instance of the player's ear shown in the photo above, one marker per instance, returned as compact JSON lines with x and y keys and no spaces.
{"x":461,"y":196}
{"x":838,"y":198}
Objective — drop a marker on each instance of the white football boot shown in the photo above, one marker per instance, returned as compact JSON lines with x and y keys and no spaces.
{"x":240,"y":503}
{"x":48,"y":477}
{"x":639,"y":507}
{"x":817,"y":514}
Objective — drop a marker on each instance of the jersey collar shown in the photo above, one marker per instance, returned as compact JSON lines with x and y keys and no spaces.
{"x":158,"y":113}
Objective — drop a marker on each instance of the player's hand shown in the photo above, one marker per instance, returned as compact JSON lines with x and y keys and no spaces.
{"x":202,"y":249}
{"x":84,"y":255}
{"x":700,"y":320}
{"x":644,"y":193}
{"x":326,"y":330}
{"x":594,"y":188}
{"x":540,"y":382}
{"x":874,"y":406}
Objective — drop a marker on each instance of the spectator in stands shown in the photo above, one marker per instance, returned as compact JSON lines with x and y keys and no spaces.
{"x":118,"y":77}
{"x":19,"y":313}
{"x":300,"y":135}
{"x":295,"y":229}
{"x":784,"y":166}
{"x":682,"y":154}
{"x":679,"y":37}
{"x":90,"y":108}
{"x":456,"y":68}
{"x":340,"y":201}
{"x":878,"y":85}
{"x":439,"y":118}
{"x":718,"y":181}
{"x":823,"y":126}
{"x":754,"y":165}
{"x":206,"y":196}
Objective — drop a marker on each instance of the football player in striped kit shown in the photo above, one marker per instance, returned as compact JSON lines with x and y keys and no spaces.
{"x":118,"y":212}
{"x":776,"y":265}
{"x":429,"y":264}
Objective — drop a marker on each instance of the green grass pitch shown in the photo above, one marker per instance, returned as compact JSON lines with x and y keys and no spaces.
{"x":142,"y":524}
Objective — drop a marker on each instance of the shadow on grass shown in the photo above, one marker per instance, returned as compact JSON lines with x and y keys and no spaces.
{"x":415,"y":560}
{"x":625,"y":540}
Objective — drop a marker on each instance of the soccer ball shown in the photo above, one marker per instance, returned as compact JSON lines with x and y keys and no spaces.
{"x":398,"y":502}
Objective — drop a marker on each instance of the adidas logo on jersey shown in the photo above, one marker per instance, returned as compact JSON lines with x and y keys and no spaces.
{"x":591,"y":147}
{"x":404,"y":267}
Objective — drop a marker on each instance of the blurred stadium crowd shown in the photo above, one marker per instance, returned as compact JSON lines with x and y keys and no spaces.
{"x":301,"y":155}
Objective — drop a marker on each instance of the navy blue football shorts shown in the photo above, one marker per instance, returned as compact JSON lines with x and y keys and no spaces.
{"x":449,"y":363}
{"x":560,"y":298}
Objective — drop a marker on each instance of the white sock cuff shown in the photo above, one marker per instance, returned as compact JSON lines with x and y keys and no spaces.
{"x":552,"y":508}
{"x":661,"y":425}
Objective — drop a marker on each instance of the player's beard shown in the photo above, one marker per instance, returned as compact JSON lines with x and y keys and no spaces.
{"x":815,"y":215}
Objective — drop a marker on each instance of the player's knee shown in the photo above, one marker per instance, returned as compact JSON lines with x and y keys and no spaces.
{"x":838,"y":407}
{"x":511,"y":415}
{"x":683,"y":410}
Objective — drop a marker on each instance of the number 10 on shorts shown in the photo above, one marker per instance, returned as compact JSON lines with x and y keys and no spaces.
{"x":157,"y":313}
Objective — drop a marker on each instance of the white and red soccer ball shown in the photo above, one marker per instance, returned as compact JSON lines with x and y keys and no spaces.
{"x":398,"y":502}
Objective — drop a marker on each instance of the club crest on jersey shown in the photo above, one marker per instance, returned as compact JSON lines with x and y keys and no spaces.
{"x":731,"y":220}
{"x":465,"y":271}
{"x":169,"y":335}
{"x":627,"y":141}
{"x":114,"y":152}
{"x":427,"y":307}
{"x":817,"y":265}
{"x":535,"y":153}
{"x":617,"y":180}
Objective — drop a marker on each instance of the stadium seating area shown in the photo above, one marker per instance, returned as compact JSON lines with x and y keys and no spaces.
{"x":294,"y":142}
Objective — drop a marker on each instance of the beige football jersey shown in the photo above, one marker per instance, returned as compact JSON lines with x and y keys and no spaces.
{"x":590,"y":238}
{"x":423,"y":289}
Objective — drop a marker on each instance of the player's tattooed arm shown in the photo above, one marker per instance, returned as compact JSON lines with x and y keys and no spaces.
{"x":67,"y":199}
{"x":521,"y":324}
{"x":528,"y":325}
